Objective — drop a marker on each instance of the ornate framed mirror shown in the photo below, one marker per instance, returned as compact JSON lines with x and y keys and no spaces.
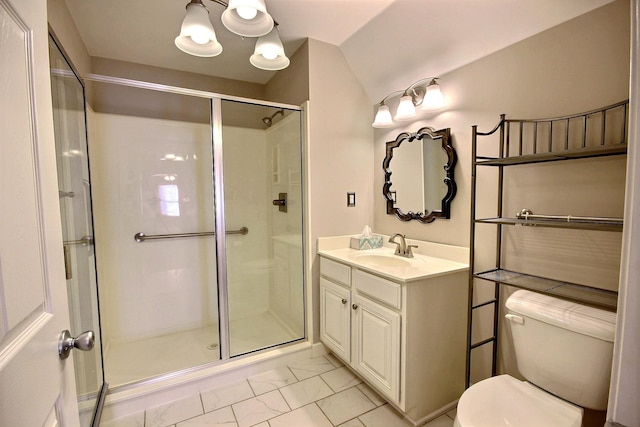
{"x":418,"y":175}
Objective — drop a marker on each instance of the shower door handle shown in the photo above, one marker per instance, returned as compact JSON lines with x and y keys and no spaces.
{"x":85,"y":342}
{"x":68,"y":271}
{"x":83,"y":241}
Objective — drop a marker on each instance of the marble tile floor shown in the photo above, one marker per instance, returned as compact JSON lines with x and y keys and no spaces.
{"x":318,"y":392}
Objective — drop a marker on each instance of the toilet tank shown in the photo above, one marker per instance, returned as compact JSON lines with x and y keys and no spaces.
{"x":563,"y":347}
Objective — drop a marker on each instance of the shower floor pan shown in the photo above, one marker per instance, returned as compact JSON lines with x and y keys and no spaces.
{"x":128,"y":362}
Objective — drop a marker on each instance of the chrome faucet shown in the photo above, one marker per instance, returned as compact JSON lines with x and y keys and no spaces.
{"x":402,"y":249}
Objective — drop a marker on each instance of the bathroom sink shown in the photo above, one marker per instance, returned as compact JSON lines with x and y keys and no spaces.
{"x":382,"y":260}
{"x":385,"y":263}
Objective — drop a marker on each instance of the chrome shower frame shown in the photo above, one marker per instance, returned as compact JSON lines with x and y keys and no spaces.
{"x":216,"y":100}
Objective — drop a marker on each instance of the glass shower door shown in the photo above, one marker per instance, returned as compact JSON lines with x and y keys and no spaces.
{"x":262,"y":161}
{"x":151,"y":165}
{"x":77,"y":228}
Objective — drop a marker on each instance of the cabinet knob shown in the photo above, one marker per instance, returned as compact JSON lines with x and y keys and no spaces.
{"x":344,"y":300}
{"x":354,"y":306}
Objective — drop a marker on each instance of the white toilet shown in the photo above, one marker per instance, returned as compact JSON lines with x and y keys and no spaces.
{"x":563,"y":349}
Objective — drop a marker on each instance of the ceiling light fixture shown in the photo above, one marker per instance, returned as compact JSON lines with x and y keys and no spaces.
{"x":429,"y":97}
{"x":246,"y":18}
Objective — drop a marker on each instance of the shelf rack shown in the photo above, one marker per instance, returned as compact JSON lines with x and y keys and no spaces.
{"x":594,"y":297}
{"x":596,"y":133}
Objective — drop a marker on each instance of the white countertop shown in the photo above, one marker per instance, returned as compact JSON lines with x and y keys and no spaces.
{"x":409,"y":269}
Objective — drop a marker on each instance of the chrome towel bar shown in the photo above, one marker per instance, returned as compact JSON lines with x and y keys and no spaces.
{"x":141,"y":237}
{"x":527,"y":214}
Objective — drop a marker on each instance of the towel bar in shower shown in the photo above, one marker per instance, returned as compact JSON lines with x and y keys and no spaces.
{"x":141,"y":237}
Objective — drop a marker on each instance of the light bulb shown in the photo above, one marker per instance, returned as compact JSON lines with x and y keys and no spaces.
{"x":247,"y":13}
{"x":247,"y":18}
{"x":200,"y":38}
{"x":269,"y":55}
{"x":197,"y":36}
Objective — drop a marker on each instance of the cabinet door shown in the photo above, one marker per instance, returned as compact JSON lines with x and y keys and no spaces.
{"x":376,"y":345}
{"x":335,"y":323}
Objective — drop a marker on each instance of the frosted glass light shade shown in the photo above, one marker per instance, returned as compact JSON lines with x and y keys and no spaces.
{"x":433,"y":99}
{"x":259,"y":25}
{"x":196,"y":35}
{"x":383,"y":117}
{"x":406,"y":110}
{"x":269,"y":53}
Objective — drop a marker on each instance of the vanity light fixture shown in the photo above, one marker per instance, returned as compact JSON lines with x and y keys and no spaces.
{"x":246,"y":18}
{"x":428,"y":96}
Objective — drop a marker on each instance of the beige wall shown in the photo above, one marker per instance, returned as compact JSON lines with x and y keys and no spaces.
{"x":291,"y":85}
{"x":340,"y":152}
{"x":67,"y":33}
{"x":151,"y":74}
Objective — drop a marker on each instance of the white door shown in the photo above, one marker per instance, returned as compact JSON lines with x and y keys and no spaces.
{"x":37,"y":388}
{"x":335,"y":318}
{"x":375,"y":344}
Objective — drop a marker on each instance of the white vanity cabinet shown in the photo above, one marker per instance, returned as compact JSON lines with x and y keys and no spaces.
{"x":407,"y":340}
{"x":359,"y":330}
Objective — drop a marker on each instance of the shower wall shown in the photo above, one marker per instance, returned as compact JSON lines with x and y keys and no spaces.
{"x":153,"y":176}
{"x":246,"y":197}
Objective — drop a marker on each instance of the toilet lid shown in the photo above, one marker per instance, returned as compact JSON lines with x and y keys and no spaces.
{"x":505,"y":401}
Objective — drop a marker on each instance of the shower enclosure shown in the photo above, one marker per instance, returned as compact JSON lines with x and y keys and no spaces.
{"x":198,"y":227}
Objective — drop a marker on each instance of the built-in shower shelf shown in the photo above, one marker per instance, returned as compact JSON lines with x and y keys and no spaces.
{"x":587,"y":295}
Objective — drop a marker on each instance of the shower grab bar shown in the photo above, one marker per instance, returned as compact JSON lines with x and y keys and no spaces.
{"x":527,"y":214}
{"x":141,"y":237}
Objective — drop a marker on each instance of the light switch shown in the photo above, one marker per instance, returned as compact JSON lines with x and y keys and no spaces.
{"x":351,"y":199}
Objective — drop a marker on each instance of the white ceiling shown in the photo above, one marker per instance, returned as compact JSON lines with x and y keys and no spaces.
{"x":389,"y":44}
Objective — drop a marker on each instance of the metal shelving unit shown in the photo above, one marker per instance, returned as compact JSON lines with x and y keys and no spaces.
{"x":596,"y":133}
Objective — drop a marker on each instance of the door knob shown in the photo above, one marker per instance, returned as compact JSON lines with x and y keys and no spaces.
{"x":85,"y":342}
